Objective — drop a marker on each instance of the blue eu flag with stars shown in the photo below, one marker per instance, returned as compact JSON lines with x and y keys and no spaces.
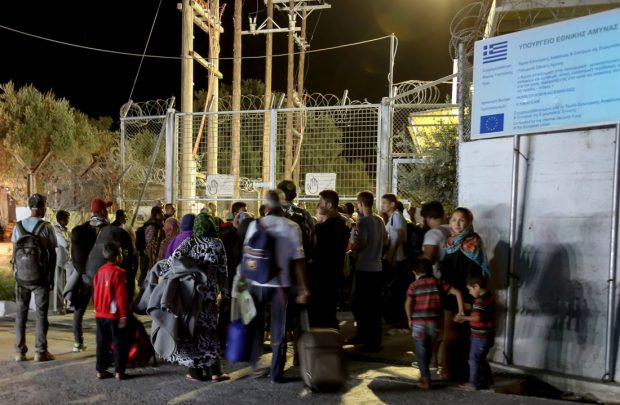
{"x":491,"y":123}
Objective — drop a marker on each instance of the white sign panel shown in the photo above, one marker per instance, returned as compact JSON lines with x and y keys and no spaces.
{"x":220,"y":185}
{"x":317,"y":182}
{"x":562,"y":75}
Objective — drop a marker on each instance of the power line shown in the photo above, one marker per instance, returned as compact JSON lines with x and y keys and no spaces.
{"x":114,"y":52}
{"x":135,"y":80}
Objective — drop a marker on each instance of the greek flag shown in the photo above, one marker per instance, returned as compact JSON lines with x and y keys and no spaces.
{"x":495,"y":52}
{"x":491,"y":123}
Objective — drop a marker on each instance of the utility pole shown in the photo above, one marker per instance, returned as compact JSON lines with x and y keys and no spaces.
{"x":194,"y":13}
{"x":236,"y":99}
{"x":288,"y":145}
{"x":267,"y":121}
{"x":188,"y":164}
{"x":301,"y":67}
{"x":214,"y":86}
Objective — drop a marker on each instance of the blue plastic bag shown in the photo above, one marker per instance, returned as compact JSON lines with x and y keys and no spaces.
{"x":237,"y":345}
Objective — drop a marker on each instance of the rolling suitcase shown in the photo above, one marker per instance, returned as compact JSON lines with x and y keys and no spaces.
{"x":321,"y":357}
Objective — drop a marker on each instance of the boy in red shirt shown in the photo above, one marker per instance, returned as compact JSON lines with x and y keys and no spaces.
{"x":111,"y":307}
{"x":482,"y":323}
{"x":424,"y":308}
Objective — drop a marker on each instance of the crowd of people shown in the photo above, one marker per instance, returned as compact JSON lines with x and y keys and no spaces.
{"x":429,"y":278}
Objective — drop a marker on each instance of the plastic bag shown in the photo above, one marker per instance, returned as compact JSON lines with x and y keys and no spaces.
{"x":246,"y":306}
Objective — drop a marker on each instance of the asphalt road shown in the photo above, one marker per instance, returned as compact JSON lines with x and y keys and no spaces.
{"x":70,"y":379}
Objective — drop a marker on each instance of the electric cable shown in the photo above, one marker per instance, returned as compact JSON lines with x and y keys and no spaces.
{"x":135,"y":80}
{"x":115,"y":52}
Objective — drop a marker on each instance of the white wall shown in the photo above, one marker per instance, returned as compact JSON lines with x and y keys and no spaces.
{"x":564,"y":227}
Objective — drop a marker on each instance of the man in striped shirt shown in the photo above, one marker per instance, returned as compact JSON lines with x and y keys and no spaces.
{"x":425,"y":313}
{"x":482,"y":323}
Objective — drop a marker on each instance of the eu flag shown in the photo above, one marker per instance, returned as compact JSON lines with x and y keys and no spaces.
{"x":491,"y":123}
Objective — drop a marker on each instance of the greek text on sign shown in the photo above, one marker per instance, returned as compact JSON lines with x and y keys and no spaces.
{"x":220,"y":185}
{"x":559,"y":76}
{"x":317,"y":182}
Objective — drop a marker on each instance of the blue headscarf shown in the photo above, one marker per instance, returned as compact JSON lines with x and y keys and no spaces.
{"x":470,"y":243}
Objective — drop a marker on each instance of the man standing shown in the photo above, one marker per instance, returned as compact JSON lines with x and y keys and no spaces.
{"x":368,"y":242}
{"x":62,"y":258}
{"x":34,"y":260}
{"x":148,"y":241}
{"x":327,"y":261}
{"x":298,"y":215}
{"x":398,"y":277}
{"x":290,"y":259}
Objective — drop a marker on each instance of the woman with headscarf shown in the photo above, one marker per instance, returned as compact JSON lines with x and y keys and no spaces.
{"x":464,"y":258}
{"x":187,"y":226}
{"x":202,"y":354}
{"x":171,"y":230}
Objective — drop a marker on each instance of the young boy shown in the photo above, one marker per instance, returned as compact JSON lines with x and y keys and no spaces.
{"x":425,"y":313}
{"x":482,"y":323}
{"x":111,"y":307}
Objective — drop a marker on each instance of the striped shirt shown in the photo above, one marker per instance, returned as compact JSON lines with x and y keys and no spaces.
{"x":484,"y":307}
{"x":427,"y":293}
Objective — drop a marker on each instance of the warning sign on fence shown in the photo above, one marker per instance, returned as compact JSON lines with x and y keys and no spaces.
{"x":317,"y":182}
{"x":220,"y":185}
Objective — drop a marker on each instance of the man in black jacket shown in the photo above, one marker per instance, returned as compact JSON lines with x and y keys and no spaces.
{"x":87,"y":241}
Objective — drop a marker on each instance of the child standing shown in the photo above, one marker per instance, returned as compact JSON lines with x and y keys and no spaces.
{"x":111,"y":306}
{"x":482,"y":323}
{"x":424,"y":308}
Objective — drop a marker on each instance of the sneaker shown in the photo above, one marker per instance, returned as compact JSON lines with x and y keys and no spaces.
{"x":20,"y":357}
{"x":78,"y":347}
{"x":44,"y":356}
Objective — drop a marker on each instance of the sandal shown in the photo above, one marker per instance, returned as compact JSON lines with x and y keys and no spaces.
{"x":221,"y":377}
{"x":189,"y":377}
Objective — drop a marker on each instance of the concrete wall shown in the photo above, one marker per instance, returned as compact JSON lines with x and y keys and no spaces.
{"x":564,"y":228}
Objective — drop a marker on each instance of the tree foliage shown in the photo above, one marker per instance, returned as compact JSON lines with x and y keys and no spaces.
{"x":34,"y":124}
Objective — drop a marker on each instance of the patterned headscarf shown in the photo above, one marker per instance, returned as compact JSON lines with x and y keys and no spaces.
{"x":204,"y":226}
{"x":470,"y":243}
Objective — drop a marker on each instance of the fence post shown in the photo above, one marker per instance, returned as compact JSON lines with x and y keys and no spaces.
{"x":172,"y":140}
{"x":384,"y":147}
{"x":121,"y":187}
{"x":273,"y":142}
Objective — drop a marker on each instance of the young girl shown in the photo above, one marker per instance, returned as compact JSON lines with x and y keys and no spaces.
{"x":464,"y":258}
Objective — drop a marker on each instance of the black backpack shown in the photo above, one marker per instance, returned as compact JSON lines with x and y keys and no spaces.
{"x":415,"y":238}
{"x":259,"y":258}
{"x":298,"y":216}
{"x":29,"y":258}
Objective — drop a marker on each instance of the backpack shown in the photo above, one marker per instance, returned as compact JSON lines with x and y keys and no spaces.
{"x":415,"y":238}
{"x":29,"y":263}
{"x":140,"y":239}
{"x":259,"y":260}
{"x":298,"y":216}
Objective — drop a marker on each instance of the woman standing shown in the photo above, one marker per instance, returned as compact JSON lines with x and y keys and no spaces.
{"x":464,"y":258}
{"x":202,"y":355}
{"x":187,"y":229}
{"x":171,"y":230}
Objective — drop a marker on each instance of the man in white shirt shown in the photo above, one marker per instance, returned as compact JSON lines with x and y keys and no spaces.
{"x":290,"y":258}
{"x":62,"y":258}
{"x":436,"y":236}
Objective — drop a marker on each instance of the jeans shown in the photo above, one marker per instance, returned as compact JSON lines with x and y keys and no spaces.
{"x":479,"y":369}
{"x":278,"y":298}
{"x":109,"y":332}
{"x":42,"y":301}
{"x":425,"y":336}
{"x":82,"y":296}
{"x":366,"y":305}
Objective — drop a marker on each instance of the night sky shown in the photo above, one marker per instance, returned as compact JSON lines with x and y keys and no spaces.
{"x":98,"y":83}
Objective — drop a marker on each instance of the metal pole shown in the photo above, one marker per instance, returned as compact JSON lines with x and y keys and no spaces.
{"x":235,"y":152}
{"x":171,"y":163}
{"x":392,"y":60}
{"x":121,"y":188}
{"x":383,"y":147}
{"x":273,"y":130}
{"x":460,"y":91}
{"x":514,"y":199}
{"x":613,"y":258}
{"x":268,"y":67}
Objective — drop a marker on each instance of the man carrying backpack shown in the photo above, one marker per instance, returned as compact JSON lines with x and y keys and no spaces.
{"x":272,"y":254}
{"x":34,"y":260}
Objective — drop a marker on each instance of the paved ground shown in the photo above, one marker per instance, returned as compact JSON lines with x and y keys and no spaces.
{"x":70,"y":379}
